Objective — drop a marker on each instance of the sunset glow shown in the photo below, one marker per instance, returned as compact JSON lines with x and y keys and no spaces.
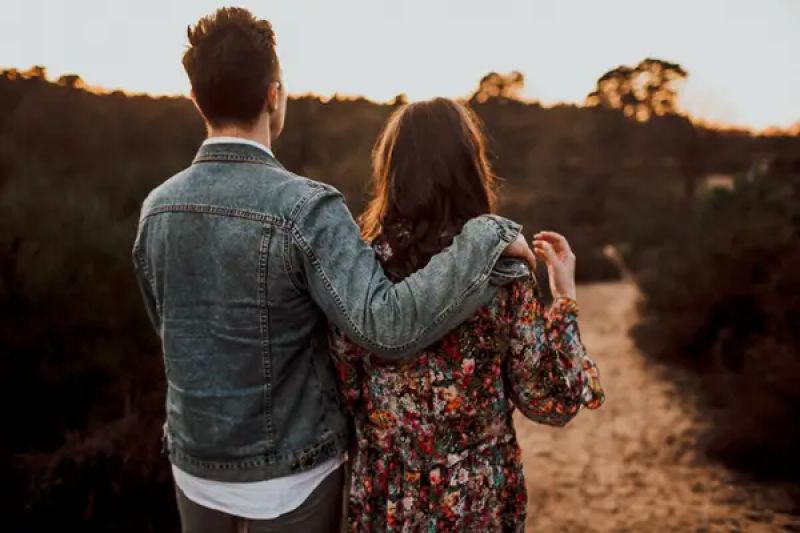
{"x":740,"y":54}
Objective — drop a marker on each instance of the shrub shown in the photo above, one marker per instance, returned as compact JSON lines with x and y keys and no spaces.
{"x":722,"y":296}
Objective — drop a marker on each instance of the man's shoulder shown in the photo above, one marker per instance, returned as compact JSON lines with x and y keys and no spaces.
{"x":307,"y":192}
{"x":268,"y":189}
{"x":306,"y":186}
{"x":290,"y":194}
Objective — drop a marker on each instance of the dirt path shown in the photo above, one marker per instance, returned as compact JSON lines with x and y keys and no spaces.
{"x":633,"y":464}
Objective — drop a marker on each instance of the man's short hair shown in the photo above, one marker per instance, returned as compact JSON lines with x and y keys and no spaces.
{"x":231,"y":61}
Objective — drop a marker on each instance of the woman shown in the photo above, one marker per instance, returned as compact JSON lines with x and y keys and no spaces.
{"x":435,"y":447}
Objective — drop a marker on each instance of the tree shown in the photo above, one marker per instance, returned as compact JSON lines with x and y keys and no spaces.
{"x":71,"y":81}
{"x":400,"y":100}
{"x":36,"y":72}
{"x":9,"y":74}
{"x":649,"y":89}
{"x":494,"y":85}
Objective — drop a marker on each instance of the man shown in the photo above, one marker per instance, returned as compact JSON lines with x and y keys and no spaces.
{"x":241,"y":264}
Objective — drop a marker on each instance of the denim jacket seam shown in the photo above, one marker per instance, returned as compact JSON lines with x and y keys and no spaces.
{"x":264,"y":326}
{"x":288,"y":264}
{"x":317,"y":189}
{"x":222,"y":157}
{"x":138,"y":252}
{"x":210,"y":209}
{"x":141,"y":264}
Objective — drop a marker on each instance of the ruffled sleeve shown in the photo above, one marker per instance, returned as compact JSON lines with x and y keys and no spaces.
{"x":548,"y":372}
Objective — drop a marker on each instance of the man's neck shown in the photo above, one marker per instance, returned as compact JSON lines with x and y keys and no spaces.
{"x":259,"y":134}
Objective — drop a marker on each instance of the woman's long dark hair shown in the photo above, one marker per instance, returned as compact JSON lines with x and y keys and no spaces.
{"x":431,"y":175}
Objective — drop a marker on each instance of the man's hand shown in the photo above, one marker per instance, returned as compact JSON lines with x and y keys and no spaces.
{"x":520,"y":249}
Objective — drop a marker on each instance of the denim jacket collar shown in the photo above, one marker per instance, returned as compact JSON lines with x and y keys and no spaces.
{"x":234,"y":153}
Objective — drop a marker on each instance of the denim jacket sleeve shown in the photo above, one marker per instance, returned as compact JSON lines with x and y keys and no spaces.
{"x":394,"y":320}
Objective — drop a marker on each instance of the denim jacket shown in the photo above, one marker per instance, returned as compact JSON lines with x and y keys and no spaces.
{"x":242,"y":264}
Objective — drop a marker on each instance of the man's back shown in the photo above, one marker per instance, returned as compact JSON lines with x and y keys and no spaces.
{"x":241,"y":334}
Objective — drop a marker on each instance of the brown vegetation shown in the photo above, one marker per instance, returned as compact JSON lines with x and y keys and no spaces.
{"x":83,"y":407}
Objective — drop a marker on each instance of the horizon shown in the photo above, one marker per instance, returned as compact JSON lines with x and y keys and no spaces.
{"x":790,"y":130}
{"x":740,"y":73}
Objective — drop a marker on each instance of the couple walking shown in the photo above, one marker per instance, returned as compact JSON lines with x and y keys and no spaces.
{"x":295,"y":341}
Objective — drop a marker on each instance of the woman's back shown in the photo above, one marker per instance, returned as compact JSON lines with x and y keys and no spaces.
{"x":435,"y":442}
{"x":435,"y":447}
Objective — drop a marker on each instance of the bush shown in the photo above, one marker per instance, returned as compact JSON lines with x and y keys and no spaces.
{"x":722,"y":296}
{"x":110,"y":477}
{"x":82,"y":412}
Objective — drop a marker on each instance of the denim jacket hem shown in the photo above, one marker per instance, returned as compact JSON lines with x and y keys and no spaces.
{"x":260,"y":467}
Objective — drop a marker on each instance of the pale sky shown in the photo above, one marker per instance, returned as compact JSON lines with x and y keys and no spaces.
{"x":743,"y":56}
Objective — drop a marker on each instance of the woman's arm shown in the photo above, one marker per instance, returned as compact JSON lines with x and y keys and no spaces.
{"x":547,"y":371}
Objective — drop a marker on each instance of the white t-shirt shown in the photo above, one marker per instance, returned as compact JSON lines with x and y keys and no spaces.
{"x":257,"y":500}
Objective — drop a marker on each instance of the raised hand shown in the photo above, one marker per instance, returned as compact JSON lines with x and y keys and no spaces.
{"x":554,"y":250}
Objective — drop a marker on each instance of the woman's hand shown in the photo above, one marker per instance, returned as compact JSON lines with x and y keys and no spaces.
{"x":554,"y":249}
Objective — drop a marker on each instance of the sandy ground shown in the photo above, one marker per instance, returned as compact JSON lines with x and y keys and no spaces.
{"x":633,"y":465}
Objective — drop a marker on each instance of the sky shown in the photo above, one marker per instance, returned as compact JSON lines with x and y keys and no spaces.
{"x":743,"y":56}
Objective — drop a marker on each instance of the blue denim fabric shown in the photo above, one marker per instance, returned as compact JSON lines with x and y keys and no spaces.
{"x":241,"y":264}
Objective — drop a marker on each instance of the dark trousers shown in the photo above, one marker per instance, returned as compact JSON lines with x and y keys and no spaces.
{"x":320,"y":513}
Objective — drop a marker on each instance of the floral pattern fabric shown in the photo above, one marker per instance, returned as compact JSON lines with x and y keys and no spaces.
{"x":434,"y":443}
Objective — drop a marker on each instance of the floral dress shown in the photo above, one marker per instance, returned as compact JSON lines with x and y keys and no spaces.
{"x":434,"y":446}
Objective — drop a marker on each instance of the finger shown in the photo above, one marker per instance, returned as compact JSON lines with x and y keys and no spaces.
{"x":549,"y":236}
{"x":558,"y":241}
{"x":545,"y":250}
